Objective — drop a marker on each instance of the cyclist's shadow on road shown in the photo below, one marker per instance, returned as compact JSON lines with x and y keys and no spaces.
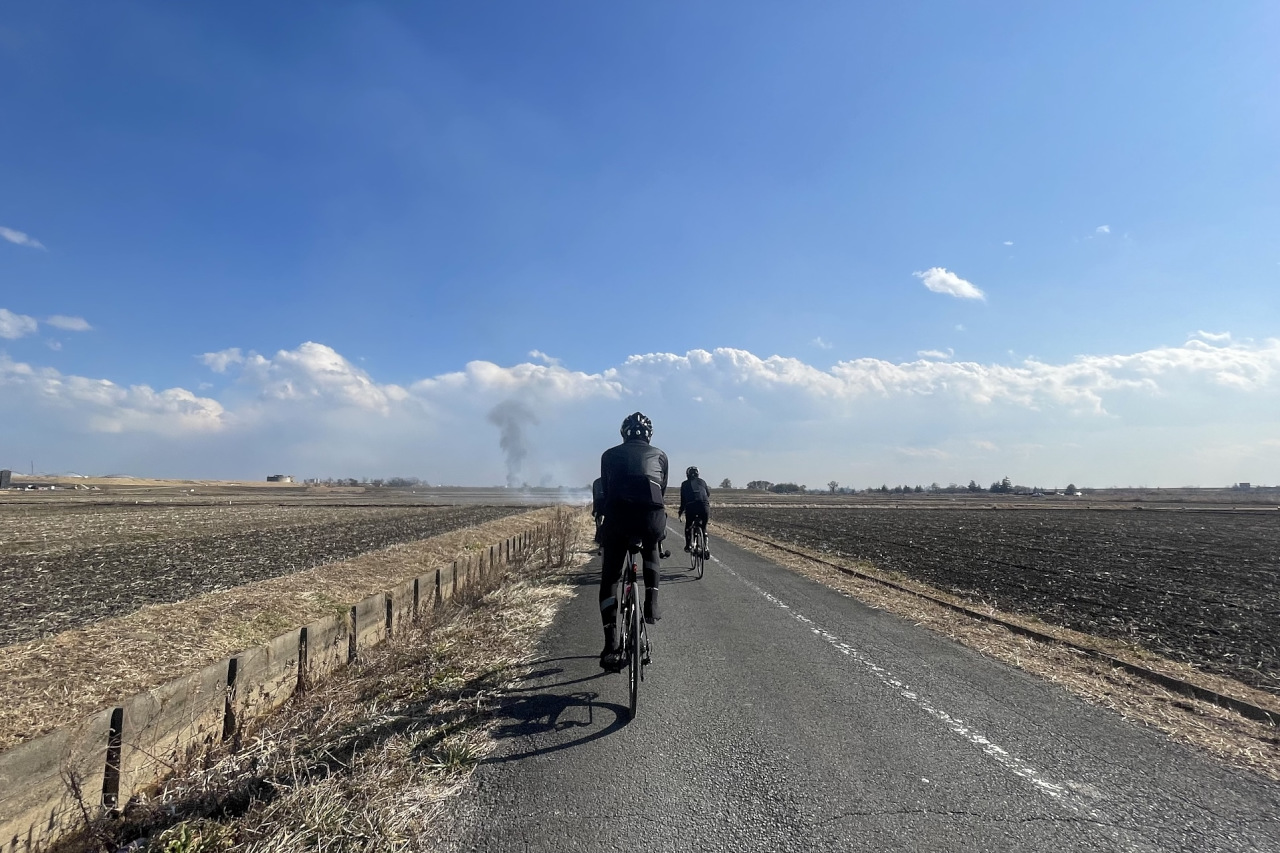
{"x":541,"y":719}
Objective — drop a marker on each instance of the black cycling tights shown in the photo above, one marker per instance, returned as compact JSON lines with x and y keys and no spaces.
{"x":615,"y":555}
{"x":689,"y":519}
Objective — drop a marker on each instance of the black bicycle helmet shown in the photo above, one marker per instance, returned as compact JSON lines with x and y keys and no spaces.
{"x":636,"y":425}
{"x":691,"y":473}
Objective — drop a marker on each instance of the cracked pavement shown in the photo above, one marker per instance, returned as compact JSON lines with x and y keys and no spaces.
{"x":780,"y":715}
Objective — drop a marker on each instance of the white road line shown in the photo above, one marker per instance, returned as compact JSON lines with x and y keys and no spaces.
{"x":1011,"y":762}
{"x":1065,"y":794}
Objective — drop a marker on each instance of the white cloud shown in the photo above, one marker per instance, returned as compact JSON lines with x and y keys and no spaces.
{"x":218,"y":362}
{"x":551,"y":382}
{"x":54,"y":345}
{"x":1102,"y":229}
{"x":922,"y":452}
{"x":14,"y":326}
{"x":941,"y":280}
{"x":820,"y":343}
{"x":938,"y":354}
{"x":1215,"y":337}
{"x":543,"y":357}
{"x":69,"y":324}
{"x":315,"y":373}
{"x":101,"y":406}
{"x":1008,"y":242}
{"x":1127,"y":417}
{"x":19,"y":238}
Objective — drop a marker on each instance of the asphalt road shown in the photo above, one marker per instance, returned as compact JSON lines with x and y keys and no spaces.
{"x":780,"y":715}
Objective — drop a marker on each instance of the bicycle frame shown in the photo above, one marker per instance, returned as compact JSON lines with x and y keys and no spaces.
{"x":632,"y":632}
{"x":697,"y":546}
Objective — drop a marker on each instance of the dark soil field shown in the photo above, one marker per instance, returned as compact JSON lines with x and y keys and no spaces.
{"x":1198,"y":587}
{"x":67,"y":565}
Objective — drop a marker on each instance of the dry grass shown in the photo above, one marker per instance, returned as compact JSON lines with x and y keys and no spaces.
{"x":366,"y":761}
{"x":1224,"y":734}
{"x":51,"y":682}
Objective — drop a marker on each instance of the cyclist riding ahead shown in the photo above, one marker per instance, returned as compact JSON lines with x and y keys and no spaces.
{"x":695,"y":505}
{"x":634,"y":475}
{"x":597,"y":505}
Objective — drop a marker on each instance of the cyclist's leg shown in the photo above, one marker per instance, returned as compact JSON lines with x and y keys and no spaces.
{"x":649,"y":553}
{"x":688,"y":526}
{"x":615,"y":554}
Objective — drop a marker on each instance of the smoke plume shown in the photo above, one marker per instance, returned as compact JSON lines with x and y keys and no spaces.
{"x":511,"y":417}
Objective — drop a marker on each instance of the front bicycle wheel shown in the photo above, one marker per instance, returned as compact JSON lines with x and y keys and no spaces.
{"x":633,"y":649}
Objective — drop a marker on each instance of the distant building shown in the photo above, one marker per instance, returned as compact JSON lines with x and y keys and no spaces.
{"x":1244,"y":487}
{"x":6,"y":478}
{"x":279,"y":478}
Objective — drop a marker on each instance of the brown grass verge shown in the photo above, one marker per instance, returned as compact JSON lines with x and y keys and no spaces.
{"x":367,"y":760}
{"x":48,"y":683}
{"x":1224,"y":734}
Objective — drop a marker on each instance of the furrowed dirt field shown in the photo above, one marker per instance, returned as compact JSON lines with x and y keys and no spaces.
{"x":1198,"y":587}
{"x":64,"y":565}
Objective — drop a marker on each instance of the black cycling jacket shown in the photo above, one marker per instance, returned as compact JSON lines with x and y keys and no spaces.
{"x":695,"y":496}
{"x":597,"y":497}
{"x":634,"y":476}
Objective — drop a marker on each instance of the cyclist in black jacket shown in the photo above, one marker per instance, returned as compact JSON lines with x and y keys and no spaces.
{"x":634,"y":475}
{"x":695,"y":506}
{"x":597,"y":505}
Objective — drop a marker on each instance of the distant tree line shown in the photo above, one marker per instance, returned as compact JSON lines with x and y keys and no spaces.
{"x":1004,"y":486}
{"x":776,"y":488}
{"x":377,"y":483}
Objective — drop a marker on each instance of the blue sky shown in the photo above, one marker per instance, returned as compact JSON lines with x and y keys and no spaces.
{"x":865,"y":242}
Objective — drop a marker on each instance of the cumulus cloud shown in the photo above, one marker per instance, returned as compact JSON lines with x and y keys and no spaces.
{"x":934,"y":353}
{"x":218,"y":362}
{"x":310,"y":408}
{"x":820,"y":343}
{"x":14,"y":326}
{"x":69,"y":324}
{"x":100,"y":405}
{"x":552,"y":382}
{"x":1102,"y":229}
{"x":941,"y":280}
{"x":19,"y":238}
{"x":315,"y":373}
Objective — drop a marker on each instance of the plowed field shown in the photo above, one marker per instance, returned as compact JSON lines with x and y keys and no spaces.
{"x":62,"y":567}
{"x":1203,"y":588}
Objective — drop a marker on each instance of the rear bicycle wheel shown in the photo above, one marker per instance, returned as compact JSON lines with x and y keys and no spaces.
{"x":699,"y":548}
{"x":633,"y":649}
